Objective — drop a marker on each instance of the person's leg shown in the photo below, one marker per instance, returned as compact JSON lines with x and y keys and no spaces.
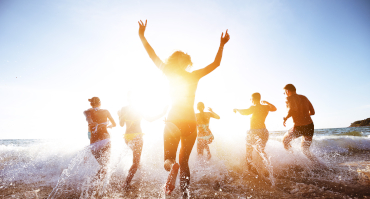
{"x":208,"y":151}
{"x":137,"y":147}
{"x":200,"y":146}
{"x":102,"y":157}
{"x":305,"y":145}
{"x":171,"y":142}
{"x":288,"y":137}
{"x":187,"y":144}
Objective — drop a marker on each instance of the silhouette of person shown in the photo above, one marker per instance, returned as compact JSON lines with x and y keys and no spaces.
{"x":300,"y":109}
{"x":181,"y":120}
{"x":258,"y":135}
{"x":205,"y":135}
{"x":134,"y":136}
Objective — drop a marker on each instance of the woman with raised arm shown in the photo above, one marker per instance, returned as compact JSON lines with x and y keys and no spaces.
{"x":98,"y":123}
{"x":181,"y":120}
{"x":205,"y":135}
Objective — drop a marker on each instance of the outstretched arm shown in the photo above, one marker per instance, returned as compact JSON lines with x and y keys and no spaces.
{"x":213,"y":114}
{"x":244,"y":111}
{"x":204,"y":71}
{"x":271,"y":106}
{"x":147,"y":47}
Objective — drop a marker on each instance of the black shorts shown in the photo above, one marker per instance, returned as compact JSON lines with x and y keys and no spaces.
{"x":306,"y":130}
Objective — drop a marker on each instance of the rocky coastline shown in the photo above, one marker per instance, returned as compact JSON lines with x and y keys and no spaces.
{"x":365,"y":122}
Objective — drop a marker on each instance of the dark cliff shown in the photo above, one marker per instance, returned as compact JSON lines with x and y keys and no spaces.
{"x":365,"y":122}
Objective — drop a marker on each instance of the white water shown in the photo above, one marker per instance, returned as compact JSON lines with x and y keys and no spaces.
{"x":70,"y":167}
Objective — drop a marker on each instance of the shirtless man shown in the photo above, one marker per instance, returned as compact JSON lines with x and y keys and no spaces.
{"x":258,"y":135}
{"x":300,"y":109}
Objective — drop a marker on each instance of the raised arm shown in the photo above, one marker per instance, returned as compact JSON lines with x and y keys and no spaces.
{"x":245,"y":111}
{"x":204,"y":71}
{"x":213,"y":114}
{"x":147,"y":47}
{"x":271,"y":106}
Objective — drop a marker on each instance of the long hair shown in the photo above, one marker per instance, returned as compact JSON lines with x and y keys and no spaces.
{"x":178,"y":62}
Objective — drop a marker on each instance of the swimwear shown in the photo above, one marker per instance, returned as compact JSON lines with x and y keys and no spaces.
{"x":130,"y":136}
{"x":298,"y":131}
{"x":257,"y":137}
{"x":208,"y":139}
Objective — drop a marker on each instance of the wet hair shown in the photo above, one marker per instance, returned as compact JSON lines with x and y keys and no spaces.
{"x":256,"y":97}
{"x":178,"y":62}
{"x":200,"y":107}
{"x":290,"y":87}
{"x":94,"y":102}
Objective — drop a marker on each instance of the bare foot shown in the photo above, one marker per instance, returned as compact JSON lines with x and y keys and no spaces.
{"x":171,"y":180}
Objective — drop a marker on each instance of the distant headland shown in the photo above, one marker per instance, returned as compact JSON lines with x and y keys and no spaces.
{"x":365,"y":122}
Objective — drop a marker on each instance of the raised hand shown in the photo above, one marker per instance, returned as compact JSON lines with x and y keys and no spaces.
{"x":235,"y":110}
{"x":265,"y":102}
{"x":142,"y":27}
{"x":209,"y":108}
{"x":225,"y":39}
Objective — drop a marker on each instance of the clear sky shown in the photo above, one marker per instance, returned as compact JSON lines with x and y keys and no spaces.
{"x":54,"y":55}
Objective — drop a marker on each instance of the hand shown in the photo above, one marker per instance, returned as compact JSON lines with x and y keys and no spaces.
{"x":284,"y":123}
{"x":225,"y":39}
{"x":109,"y":126}
{"x":142,"y":27}
{"x":209,"y":108}
{"x":264,"y":102}
{"x":235,"y":110}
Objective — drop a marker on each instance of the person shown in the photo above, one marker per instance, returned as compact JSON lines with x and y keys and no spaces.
{"x":300,"y":109}
{"x":205,"y":135}
{"x":134,"y":136}
{"x":99,"y":141}
{"x":181,"y":121}
{"x":258,"y":135}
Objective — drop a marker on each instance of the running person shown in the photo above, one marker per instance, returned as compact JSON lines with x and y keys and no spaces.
{"x":181,"y":120}
{"x":134,"y":136}
{"x":99,"y":141}
{"x":258,"y":135}
{"x":205,"y":135}
{"x":300,"y":109}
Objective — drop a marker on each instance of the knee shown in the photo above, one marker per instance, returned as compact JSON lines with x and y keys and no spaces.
{"x":168,"y":164}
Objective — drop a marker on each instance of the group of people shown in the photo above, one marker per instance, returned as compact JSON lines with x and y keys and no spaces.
{"x":183,"y":125}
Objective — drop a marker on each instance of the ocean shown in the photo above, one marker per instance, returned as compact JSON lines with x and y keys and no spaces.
{"x":66,"y":169}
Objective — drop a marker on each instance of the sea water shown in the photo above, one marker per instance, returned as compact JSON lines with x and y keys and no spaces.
{"x":66,"y":169}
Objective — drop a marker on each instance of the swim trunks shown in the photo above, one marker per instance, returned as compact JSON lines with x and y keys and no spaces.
{"x":306,"y":130}
{"x":257,"y":137}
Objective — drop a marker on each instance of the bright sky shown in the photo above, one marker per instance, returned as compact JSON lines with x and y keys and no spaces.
{"x":54,"y":55}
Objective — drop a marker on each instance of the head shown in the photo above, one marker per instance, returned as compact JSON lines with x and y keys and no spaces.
{"x":95,"y":102}
{"x":256,"y":98}
{"x":200,"y":106}
{"x":289,"y":90}
{"x":178,"y":62}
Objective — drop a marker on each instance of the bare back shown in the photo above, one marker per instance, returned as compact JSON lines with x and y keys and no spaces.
{"x":299,"y":107}
{"x":259,"y":115}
